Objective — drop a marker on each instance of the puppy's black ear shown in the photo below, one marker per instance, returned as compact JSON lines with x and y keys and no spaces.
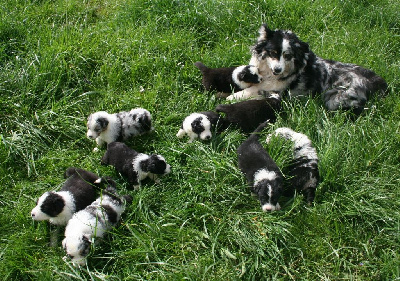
{"x":197,"y":127}
{"x":241,"y":75}
{"x":103,"y":122}
{"x":263,"y":32}
{"x":85,"y":246}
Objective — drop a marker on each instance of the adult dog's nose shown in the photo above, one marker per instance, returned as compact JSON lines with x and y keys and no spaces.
{"x":277,"y":70}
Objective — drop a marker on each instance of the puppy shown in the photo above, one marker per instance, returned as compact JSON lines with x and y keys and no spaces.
{"x":134,"y":165}
{"x":77,"y":192}
{"x":106,"y":128}
{"x":247,"y":115}
{"x":303,"y":171}
{"x":288,"y":65}
{"x":200,"y":125}
{"x":93,"y":222}
{"x":262,"y":173}
{"x":228,"y":79}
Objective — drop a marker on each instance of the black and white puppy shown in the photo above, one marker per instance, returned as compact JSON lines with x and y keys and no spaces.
{"x":247,"y":115}
{"x":260,"y":170}
{"x":93,"y":222}
{"x":134,"y":165}
{"x":303,"y":172}
{"x":106,"y":128}
{"x":287,"y":64}
{"x":200,"y":125}
{"x":77,"y":192}
{"x":228,"y":79}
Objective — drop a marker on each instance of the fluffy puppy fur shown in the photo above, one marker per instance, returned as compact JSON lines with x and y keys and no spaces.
{"x":228,"y":79}
{"x":77,"y":192}
{"x":106,"y":128}
{"x":200,"y":125}
{"x":303,"y":172}
{"x":247,"y":115}
{"x":262,"y":173}
{"x":93,"y":222}
{"x":287,"y":64}
{"x":134,"y":165}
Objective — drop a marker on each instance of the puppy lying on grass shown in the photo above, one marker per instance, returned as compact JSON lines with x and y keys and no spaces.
{"x":106,"y":128}
{"x":228,"y":79}
{"x":303,"y":172}
{"x":200,"y":125}
{"x":134,"y":165}
{"x":247,"y":115}
{"x":93,"y":222}
{"x":78,"y":191}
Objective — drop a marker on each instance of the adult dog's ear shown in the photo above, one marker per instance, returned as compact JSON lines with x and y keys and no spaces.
{"x":103,"y":122}
{"x":263,"y":32}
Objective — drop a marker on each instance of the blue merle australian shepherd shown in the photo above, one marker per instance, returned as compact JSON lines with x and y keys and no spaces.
{"x":287,"y":64}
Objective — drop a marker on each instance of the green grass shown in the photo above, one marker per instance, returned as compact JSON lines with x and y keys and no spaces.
{"x":61,"y":60}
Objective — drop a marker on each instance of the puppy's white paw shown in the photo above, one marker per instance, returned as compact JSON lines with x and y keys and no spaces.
{"x":96,"y":149}
{"x":231,"y":97}
{"x":268,"y":139}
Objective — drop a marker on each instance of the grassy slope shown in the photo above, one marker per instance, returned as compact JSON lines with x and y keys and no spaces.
{"x":61,"y":60}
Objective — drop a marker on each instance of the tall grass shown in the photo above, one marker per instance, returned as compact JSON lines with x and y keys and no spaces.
{"x":62,"y":60}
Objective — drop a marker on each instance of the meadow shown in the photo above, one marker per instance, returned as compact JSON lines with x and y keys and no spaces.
{"x":61,"y":60}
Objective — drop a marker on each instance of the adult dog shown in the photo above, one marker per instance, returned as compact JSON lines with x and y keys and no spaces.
{"x":287,"y":64}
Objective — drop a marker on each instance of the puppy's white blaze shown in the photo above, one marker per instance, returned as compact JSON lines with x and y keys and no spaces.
{"x":136,"y":166}
{"x":269,"y":207}
{"x":264,"y":174}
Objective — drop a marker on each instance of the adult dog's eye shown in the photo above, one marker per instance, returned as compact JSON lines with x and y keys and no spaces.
{"x":288,"y":56}
{"x":272,"y":53}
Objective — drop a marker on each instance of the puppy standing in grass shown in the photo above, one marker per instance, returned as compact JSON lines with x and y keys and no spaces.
{"x":262,"y":173}
{"x":93,"y":222}
{"x":303,"y":170}
{"x":106,"y":128}
{"x":134,"y":165}
{"x":228,"y":79}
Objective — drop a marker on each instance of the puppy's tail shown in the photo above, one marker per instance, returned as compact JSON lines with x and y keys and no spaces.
{"x":106,"y":182}
{"x":259,"y":129}
{"x":200,"y":66}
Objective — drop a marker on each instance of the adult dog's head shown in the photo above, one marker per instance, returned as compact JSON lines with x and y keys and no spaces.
{"x":96,"y":124}
{"x":279,"y":52}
